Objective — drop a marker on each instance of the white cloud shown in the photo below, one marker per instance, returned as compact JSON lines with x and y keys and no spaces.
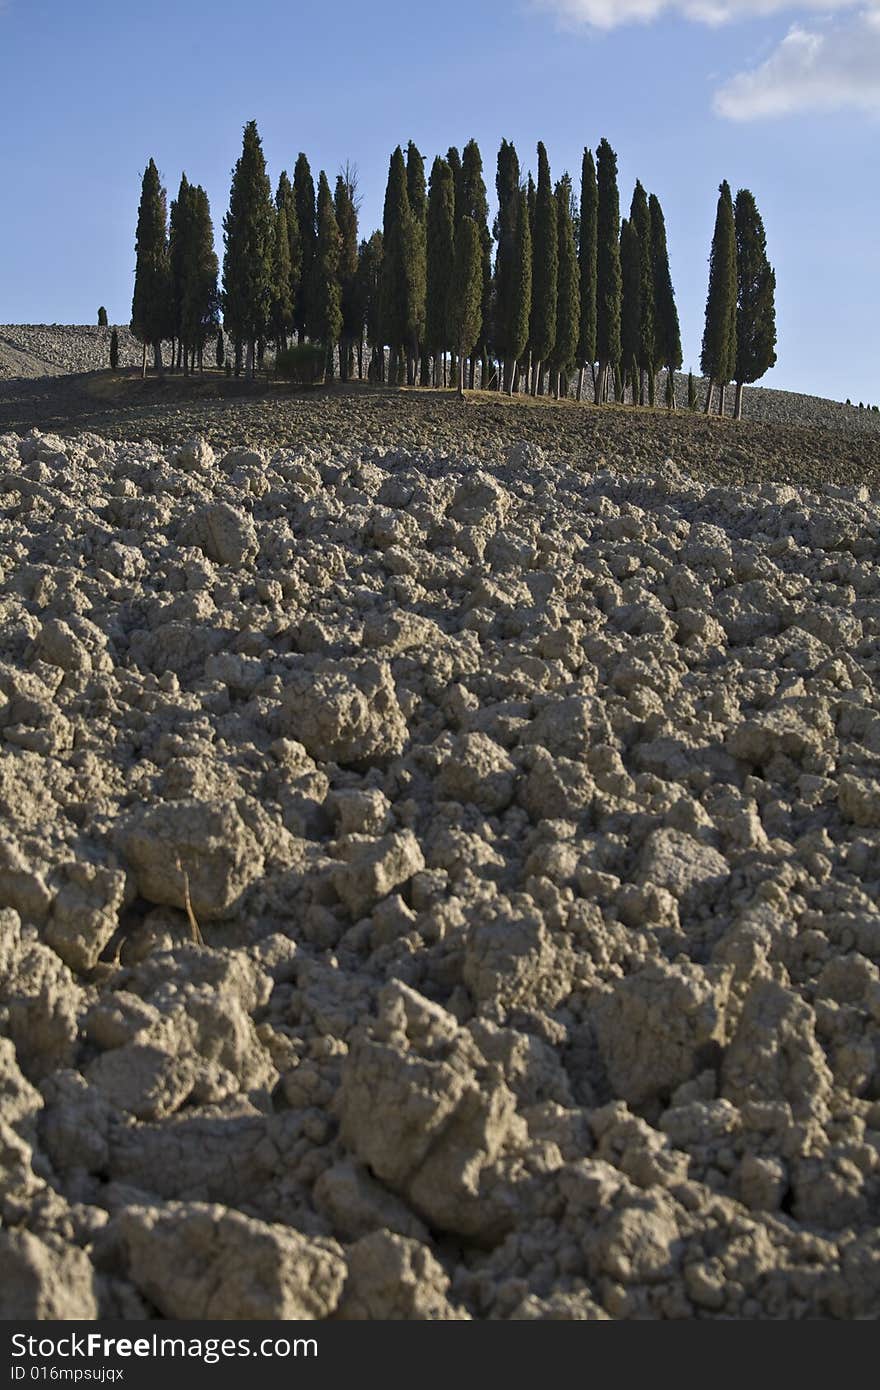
{"x":821,"y":69}
{"x":609,"y":14}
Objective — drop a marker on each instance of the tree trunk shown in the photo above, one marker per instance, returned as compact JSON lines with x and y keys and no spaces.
{"x":461,"y":375}
{"x":580,"y":390}
{"x":144,"y":364}
{"x":721,"y":406}
{"x":472,"y":369}
{"x":597,"y":384}
{"x":157,"y":356}
{"x":709,"y":395}
{"x":738,"y":407}
{"x":249,"y":360}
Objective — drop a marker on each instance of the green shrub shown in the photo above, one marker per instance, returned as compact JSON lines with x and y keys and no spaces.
{"x":302,"y":364}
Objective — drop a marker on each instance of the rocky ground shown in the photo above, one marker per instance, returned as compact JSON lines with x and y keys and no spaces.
{"x":438,"y":881}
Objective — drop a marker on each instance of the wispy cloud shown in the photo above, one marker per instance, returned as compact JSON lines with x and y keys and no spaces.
{"x":812,"y":69}
{"x":611,"y":14}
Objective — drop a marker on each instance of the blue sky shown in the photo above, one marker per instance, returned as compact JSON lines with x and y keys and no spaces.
{"x":780,"y":97}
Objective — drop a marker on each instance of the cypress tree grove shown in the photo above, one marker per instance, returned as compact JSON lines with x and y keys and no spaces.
{"x":505,"y":232}
{"x":114,"y":349}
{"x":568,"y":298}
{"x":286,"y":199}
{"x":522,"y":291}
{"x":608,"y":276}
{"x":440,"y":257}
{"x":304,"y":200}
{"x":397,"y":245}
{"x":545,"y":270}
{"x":587,"y":234}
{"x":102,"y":317}
{"x":718,"y":359}
{"x":150,"y":306}
{"x":281,"y":316}
{"x":201,"y":301}
{"x":369,"y":279}
{"x":249,"y":240}
{"x":326,"y":291}
{"x":640,"y":218}
{"x":345,"y":201}
{"x":756,"y":295}
{"x":667,"y":333}
{"x":416,"y":258}
{"x":471,"y":201}
{"x":179,"y":236}
{"x":466,"y":292}
{"x":631,"y":303}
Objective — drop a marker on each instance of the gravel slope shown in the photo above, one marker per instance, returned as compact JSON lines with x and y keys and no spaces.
{"x":437,"y":884}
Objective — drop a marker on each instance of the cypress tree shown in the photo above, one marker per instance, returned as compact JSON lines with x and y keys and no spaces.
{"x":150,"y":307}
{"x":608,"y":276}
{"x":531,"y":204}
{"x":718,"y":359}
{"x":471,"y":201}
{"x":281,"y":317}
{"x":326,"y":291}
{"x":631,"y":302}
{"x":756,"y":294}
{"x":249,"y":240}
{"x":640,"y":218}
{"x":522,"y":292}
{"x":345,"y":203}
{"x":304,"y":201}
{"x":416,"y":258}
{"x":667,"y":333}
{"x":587,"y":239}
{"x":440,"y":258}
{"x":102,"y":317}
{"x":201,"y":300}
{"x":692,"y":392}
{"x":466,"y":292}
{"x":219,"y":354}
{"x":545,"y":269}
{"x":505,"y":232}
{"x":179,"y":252}
{"x":114,"y":349}
{"x":453,"y":159}
{"x":369,"y":280}
{"x":286,"y":199}
{"x":396,"y":243}
{"x":562,"y":357}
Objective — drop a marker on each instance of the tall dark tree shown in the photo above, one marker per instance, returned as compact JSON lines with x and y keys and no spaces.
{"x":306,"y":220}
{"x":102,"y":317}
{"x":286,"y":198}
{"x":631,"y":304}
{"x":345,"y":202}
{"x":568,"y":298}
{"x":397,"y":277}
{"x":505,"y":231}
{"x":522,"y":289}
{"x":281,"y":316}
{"x":608,"y":279}
{"x":640,"y":218}
{"x":756,"y":297}
{"x":201,"y":299}
{"x":471,"y":201}
{"x":718,"y":360}
{"x":587,"y":248}
{"x":418,"y":207}
{"x":114,"y":349}
{"x":545,"y":269}
{"x":440,"y":260}
{"x":150,"y":306}
{"x":369,"y":282}
{"x":667,"y":332}
{"x":249,"y":239}
{"x":326,"y":291}
{"x":179,"y":252}
{"x":453,"y":159}
{"x":466,"y":292}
